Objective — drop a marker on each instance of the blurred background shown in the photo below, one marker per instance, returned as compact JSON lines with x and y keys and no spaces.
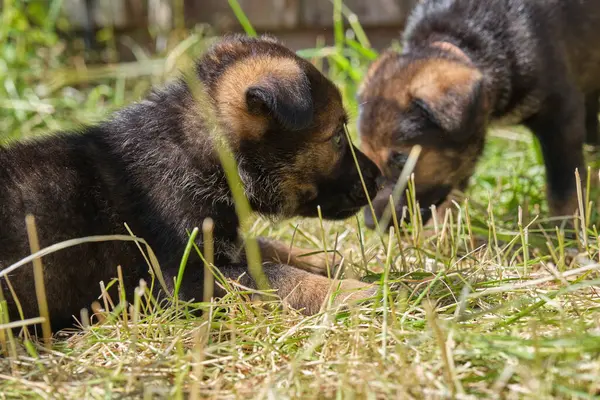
{"x":300,"y":23}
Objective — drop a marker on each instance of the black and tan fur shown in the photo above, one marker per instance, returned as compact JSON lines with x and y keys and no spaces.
{"x":153,"y":165}
{"x":466,"y":64}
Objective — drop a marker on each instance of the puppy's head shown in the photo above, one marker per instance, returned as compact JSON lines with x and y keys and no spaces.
{"x":437,"y":103}
{"x":287,"y":128}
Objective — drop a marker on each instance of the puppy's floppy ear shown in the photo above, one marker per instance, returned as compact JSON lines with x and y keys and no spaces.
{"x":451,"y":96}
{"x":288,"y":100}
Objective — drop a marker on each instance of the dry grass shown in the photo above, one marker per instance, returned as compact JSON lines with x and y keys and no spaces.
{"x":456,"y":322}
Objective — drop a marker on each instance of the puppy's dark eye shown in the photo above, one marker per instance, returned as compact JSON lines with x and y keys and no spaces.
{"x":397,"y":160}
{"x":338,"y":138}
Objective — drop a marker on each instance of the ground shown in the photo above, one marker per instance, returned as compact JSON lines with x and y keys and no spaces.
{"x":491,"y":303}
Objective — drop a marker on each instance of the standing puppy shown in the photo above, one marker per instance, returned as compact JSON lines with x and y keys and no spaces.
{"x":468,"y":63}
{"x":154,"y":166}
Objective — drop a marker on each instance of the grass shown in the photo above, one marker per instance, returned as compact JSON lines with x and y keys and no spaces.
{"x":489,"y":302}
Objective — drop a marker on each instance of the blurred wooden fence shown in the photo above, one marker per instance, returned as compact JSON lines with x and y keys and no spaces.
{"x":298,"y":22}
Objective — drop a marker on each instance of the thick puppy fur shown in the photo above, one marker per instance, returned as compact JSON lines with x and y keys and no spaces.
{"x":154,"y":166}
{"x":469,"y":63}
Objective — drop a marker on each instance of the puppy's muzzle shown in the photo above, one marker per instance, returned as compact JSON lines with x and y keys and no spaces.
{"x":373,"y":182}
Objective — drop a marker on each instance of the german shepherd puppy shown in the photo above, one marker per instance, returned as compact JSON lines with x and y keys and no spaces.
{"x":468,"y":63}
{"x":154,"y":166}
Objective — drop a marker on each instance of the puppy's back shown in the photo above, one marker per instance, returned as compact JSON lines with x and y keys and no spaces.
{"x":58,"y":179}
{"x":48,"y":177}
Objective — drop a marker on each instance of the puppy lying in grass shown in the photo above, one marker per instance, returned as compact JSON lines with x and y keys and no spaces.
{"x":154,"y":166}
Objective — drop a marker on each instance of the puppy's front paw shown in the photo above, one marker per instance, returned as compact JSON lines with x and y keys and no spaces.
{"x":351,"y":292}
{"x":318,"y":263}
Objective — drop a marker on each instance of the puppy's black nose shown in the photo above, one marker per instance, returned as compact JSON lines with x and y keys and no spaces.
{"x":373,"y":180}
{"x":357,"y":193}
{"x":371,"y":175}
